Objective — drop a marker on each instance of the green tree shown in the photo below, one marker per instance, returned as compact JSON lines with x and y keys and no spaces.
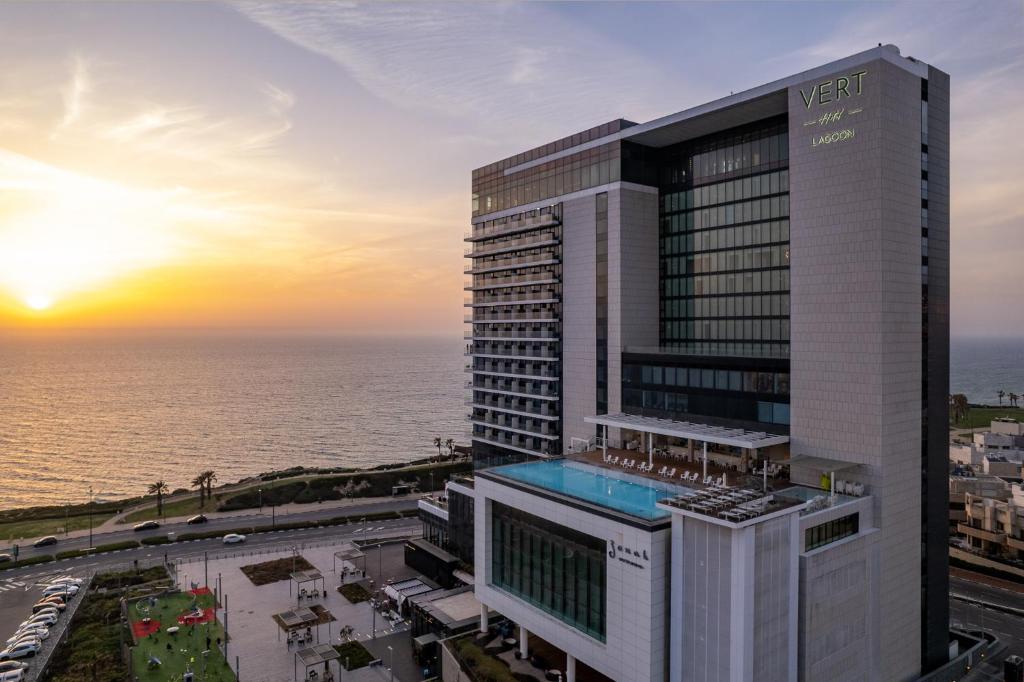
{"x":1001,"y":395}
{"x":160,"y":488}
{"x":210,"y":476}
{"x":200,"y":482}
{"x":438,"y":442}
{"x":450,"y":446}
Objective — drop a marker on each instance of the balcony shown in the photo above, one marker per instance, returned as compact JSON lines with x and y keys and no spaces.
{"x":1015,"y":543}
{"x":547,"y":392}
{"x":512,"y":264}
{"x":520,"y":354}
{"x":434,"y":507}
{"x":540,"y":298}
{"x":486,"y":317}
{"x":519,"y":411}
{"x":512,"y":283}
{"x":545,"y":432}
{"x":480,"y":250}
{"x":546,"y":336}
{"x":480,"y":232}
{"x":989,"y":536}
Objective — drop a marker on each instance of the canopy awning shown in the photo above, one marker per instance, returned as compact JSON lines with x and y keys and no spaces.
{"x":721,"y":435}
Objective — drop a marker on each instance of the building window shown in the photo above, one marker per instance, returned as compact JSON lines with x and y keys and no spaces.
{"x":831,"y":531}
{"x":556,"y":569}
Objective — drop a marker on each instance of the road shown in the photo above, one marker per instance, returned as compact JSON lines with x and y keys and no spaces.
{"x":255,"y":519}
{"x":19,"y":587}
{"x":1007,"y":627}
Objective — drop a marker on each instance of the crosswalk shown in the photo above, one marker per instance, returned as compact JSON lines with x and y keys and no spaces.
{"x":11,"y":584}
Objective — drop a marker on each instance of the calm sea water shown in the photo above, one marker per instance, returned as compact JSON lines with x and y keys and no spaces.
{"x":980,"y":368}
{"x":120,"y":413}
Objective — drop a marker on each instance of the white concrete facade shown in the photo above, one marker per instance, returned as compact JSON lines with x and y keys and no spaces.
{"x":634,"y":649}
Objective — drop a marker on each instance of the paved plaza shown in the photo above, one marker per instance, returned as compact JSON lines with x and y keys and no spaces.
{"x":260,"y":644}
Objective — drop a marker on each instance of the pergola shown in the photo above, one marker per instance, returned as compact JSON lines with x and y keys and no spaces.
{"x":350,"y":553}
{"x":691,"y":431}
{"x":300,"y":578}
{"x":314,"y":656}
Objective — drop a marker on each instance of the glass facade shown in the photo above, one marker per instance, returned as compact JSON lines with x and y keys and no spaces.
{"x":601,"y":277}
{"x":829,"y":532}
{"x":724,"y":282}
{"x":724,"y":251}
{"x":556,"y":569}
{"x":653,"y":388}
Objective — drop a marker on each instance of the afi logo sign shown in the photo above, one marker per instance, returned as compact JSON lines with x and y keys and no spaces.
{"x":835,"y":89}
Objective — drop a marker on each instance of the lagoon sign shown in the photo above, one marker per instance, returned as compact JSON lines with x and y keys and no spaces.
{"x":833,"y":91}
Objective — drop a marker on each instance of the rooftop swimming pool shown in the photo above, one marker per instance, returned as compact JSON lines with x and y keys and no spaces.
{"x":633,"y":495}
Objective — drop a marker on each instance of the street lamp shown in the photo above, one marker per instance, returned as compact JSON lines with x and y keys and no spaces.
{"x":391,"y":664}
{"x":91,"y":498}
{"x":260,"y":491}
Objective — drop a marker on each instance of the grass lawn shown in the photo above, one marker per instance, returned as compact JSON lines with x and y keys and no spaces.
{"x":188,"y":506}
{"x":978,"y":417}
{"x":354,"y":592}
{"x":186,"y":645}
{"x":33,"y":530}
{"x":355,"y":654}
{"x":278,"y":569}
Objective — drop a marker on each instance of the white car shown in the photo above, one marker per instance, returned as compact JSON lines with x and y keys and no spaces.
{"x":60,"y":589}
{"x":22,"y":633}
{"x":66,"y":579}
{"x":44,"y":619}
{"x":233,"y":538}
{"x":11,"y":666}
{"x":14,"y":675}
{"x":46,"y":608}
{"x":22,"y":649}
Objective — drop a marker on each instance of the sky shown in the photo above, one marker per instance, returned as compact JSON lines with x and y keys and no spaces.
{"x":291,"y":166}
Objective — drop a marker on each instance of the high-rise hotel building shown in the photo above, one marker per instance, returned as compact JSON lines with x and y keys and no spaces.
{"x":760,"y":282}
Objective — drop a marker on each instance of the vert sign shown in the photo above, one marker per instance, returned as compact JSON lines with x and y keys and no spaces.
{"x":834,"y":90}
{"x":833,"y":99}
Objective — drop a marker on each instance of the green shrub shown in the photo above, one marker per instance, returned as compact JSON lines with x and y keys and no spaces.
{"x":114,"y":546}
{"x":127,"y":578}
{"x":31,"y":561}
{"x":274,"y":496}
{"x":215,"y":534}
{"x":93,"y":651}
{"x":156,"y":540}
{"x":354,"y":654}
{"x":355,"y":593}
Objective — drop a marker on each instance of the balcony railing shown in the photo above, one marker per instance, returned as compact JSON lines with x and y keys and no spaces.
{"x":981,"y":534}
{"x":536,"y":298}
{"x":480,"y":231}
{"x":479,"y":250}
{"x":522,"y":411}
{"x":512,"y":263}
{"x":546,"y":432}
{"x":492,"y":335}
{"x":525,"y":354}
{"x":514,"y":282}
{"x":482,"y":316}
{"x":547,"y":391}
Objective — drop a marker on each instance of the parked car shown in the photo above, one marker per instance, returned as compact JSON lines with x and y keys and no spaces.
{"x":9,"y":666}
{"x":44,"y":619}
{"x":21,"y":650}
{"x":60,"y":589}
{"x":146,"y":525}
{"x":25,"y":639}
{"x":55,"y":598}
{"x":16,"y":675}
{"x":40,"y":606}
{"x":66,"y":579}
{"x":44,"y":541}
{"x":4,"y":558}
{"x":233,"y":538}
{"x":198,"y":518}
{"x":41,"y":633}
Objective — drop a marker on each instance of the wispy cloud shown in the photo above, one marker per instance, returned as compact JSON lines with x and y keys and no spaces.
{"x":75,"y":91}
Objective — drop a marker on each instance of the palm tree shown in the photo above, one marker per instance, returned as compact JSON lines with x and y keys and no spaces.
{"x":1013,"y":398}
{"x":958,"y":407}
{"x":159,"y":489}
{"x":1001,"y":393}
{"x":438,"y":442}
{"x":211,"y":477}
{"x":450,"y":445}
{"x":200,"y":482}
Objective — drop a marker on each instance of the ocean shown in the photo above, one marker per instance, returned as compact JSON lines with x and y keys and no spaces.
{"x":118,"y":413}
{"x":980,"y":368}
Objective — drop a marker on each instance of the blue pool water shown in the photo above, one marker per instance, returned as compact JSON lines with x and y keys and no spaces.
{"x":632,"y":495}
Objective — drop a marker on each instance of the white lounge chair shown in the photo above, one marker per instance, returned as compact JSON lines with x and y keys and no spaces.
{"x":672,"y":473}
{"x":662,"y":470}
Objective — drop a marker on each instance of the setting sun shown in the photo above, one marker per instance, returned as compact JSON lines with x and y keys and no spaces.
{"x":38,"y":301}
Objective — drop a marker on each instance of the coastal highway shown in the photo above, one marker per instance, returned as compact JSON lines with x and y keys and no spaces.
{"x":19,"y":587}
{"x":257,"y":519}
